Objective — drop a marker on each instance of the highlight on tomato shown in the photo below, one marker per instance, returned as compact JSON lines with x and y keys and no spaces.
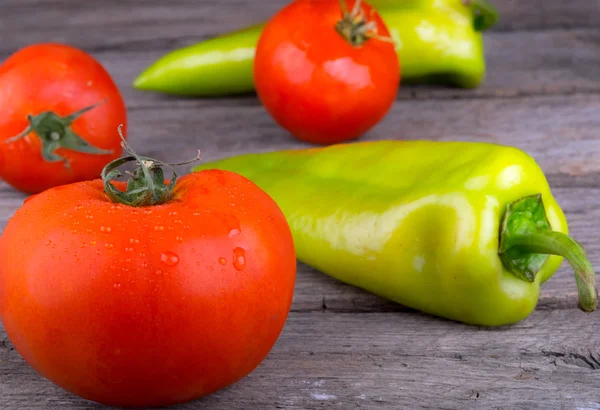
{"x":326,"y":70}
{"x":60,"y":113}
{"x":151,"y":292}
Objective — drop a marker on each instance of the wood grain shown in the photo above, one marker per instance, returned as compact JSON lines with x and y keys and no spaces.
{"x":389,"y":360}
{"x":156,"y":24}
{"x":315,"y":291}
{"x":560,"y":132}
{"x":343,"y":347}
{"x":556,"y":62}
{"x":128,"y":36}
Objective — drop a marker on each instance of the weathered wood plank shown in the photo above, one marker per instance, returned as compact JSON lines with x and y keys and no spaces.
{"x":389,"y":360}
{"x":560,"y":132}
{"x":555,"y":62}
{"x":544,"y":14}
{"x":315,"y":291}
{"x":128,"y":37}
{"x":152,"y":24}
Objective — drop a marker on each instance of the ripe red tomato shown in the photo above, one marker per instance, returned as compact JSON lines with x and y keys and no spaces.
{"x":51,"y":82}
{"x":147,"y":306}
{"x":322,"y":84}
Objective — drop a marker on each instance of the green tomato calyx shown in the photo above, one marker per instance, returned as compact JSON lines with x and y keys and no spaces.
{"x":527,"y":240}
{"x":55,"y":133}
{"x":146,"y":185}
{"x":354,"y":26}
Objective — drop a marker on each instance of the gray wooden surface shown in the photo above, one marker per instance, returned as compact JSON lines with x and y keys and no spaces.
{"x":341,"y":347}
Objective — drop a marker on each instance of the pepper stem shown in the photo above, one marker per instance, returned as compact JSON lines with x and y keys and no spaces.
{"x":354,"y":26}
{"x":485,"y":14}
{"x":557,"y":243}
{"x":526,"y":240}
{"x":146,"y":185}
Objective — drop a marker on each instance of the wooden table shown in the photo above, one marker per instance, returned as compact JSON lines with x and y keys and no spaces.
{"x":341,"y":347}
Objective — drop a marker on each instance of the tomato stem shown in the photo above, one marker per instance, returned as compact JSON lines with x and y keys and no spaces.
{"x":55,"y":132}
{"x":354,"y":26}
{"x":146,"y":185}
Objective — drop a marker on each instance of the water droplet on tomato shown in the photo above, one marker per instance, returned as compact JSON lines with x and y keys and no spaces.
{"x":131,"y":240}
{"x":173,"y":213}
{"x":196,"y":214}
{"x":108,"y":245}
{"x":48,"y":242}
{"x":117,"y":285}
{"x":169,"y":258}
{"x":179,"y":239}
{"x":92,"y":242}
{"x":89,"y":216}
{"x":128,"y":249}
{"x":177,"y":221}
{"x":144,"y":265}
{"x":222,"y":261}
{"x":234,"y":232}
{"x":239,"y":258}
{"x":147,"y":212}
{"x":159,"y":272}
{"x":105,"y":229}
{"x":159,"y":228}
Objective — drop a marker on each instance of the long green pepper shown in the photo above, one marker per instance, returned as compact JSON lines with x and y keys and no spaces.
{"x":437,"y":41}
{"x":462,"y":230}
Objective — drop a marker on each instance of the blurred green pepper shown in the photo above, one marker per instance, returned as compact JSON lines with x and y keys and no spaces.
{"x":438,"y":41}
{"x":465,"y":231}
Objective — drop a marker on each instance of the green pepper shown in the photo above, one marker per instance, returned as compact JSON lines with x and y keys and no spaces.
{"x":463,"y":230}
{"x":438,"y":41}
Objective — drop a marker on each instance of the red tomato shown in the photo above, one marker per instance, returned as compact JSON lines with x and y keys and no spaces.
{"x":319,"y":85}
{"x":147,"y":306}
{"x":58,"y":80}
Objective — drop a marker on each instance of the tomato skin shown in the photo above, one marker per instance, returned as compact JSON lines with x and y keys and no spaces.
{"x":144,"y":307}
{"x":64,"y":80}
{"x":314,"y":83}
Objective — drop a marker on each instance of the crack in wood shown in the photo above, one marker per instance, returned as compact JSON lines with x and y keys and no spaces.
{"x":587,"y":361}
